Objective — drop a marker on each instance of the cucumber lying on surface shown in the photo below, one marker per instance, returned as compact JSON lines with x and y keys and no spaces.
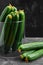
{"x":30,"y":46}
{"x":35,"y":55}
{"x":24,"y":54}
{"x":20,"y":30}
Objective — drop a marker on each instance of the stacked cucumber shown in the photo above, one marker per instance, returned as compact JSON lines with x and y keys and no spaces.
{"x":31,"y":51}
{"x":13,"y":27}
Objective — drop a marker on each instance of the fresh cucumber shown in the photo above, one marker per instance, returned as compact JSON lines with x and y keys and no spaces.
{"x":14,"y":9}
{"x":5,"y":29}
{"x":5,"y":12}
{"x":11,"y":13}
{"x":35,"y":55}
{"x":13,"y":31}
{"x":30,"y":46}
{"x":24,"y":54}
{"x":8,"y":22}
{"x":20,"y":30}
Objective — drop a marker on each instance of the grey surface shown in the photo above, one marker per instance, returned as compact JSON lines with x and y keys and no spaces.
{"x":13,"y":57}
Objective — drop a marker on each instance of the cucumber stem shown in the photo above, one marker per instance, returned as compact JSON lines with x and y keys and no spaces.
{"x":21,"y":56}
{"x":19,"y":50}
{"x":10,"y":5}
{"x":26,"y":60}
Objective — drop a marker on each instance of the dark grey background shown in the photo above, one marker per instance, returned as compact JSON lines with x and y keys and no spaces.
{"x":34,"y":15}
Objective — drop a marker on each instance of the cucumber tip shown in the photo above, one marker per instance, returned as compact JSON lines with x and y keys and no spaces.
{"x":26,"y":60}
{"x":21,"y":56}
{"x":19,"y":50}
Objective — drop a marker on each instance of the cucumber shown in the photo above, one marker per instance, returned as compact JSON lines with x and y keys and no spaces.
{"x":20,"y":30}
{"x":24,"y":54}
{"x":35,"y":55}
{"x":13,"y":31}
{"x":5,"y":12}
{"x":6,"y":28}
{"x":8,"y":22}
{"x":14,"y":9}
{"x":11,"y":13}
{"x":30,"y":46}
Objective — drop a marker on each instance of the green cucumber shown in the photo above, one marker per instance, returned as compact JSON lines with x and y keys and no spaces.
{"x":9,"y":25}
{"x":6,"y":28}
{"x":14,"y":9}
{"x":24,"y":54}
{"x":30,"y":46}
{"x":13,"y":31}
{"x":8,"y":22}
{"x":35,"y":55}
{"x":5,"y":12}
{"x":20,"y":30}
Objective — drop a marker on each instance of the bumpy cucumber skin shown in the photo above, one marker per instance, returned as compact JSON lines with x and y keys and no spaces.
{"x":20,"y":30}
{"x":27,"y":53}
{"x":8,"y":22}
{"x":13,"y":31}
{"x":29,"y":46}
{"x":5,"y":29}
{"x":37,"y":54}
{"x":5,"y":12}
{"x":7,"y":26}
{"x":14,"y":9}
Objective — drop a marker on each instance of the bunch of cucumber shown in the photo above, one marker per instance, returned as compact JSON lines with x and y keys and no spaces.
{"x":31,"y":51}
{"x":13,"y":27}
{"x":13,"y":31}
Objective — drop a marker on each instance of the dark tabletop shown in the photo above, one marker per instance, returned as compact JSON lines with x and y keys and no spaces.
{"x":13,"y":57}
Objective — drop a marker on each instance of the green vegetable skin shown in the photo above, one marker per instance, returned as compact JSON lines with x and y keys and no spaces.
{"x":29,"y":46}
{"x":6,"y":28}
{"x":13,"y":31}
{"x":20,"y":31}
{"x":8,"y":21}
{"x":35,"y":55}
{"x":14,"y":9}
{"x":5,"y":12}
{"x":8,"y":25}
{"x":24,"y":54}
